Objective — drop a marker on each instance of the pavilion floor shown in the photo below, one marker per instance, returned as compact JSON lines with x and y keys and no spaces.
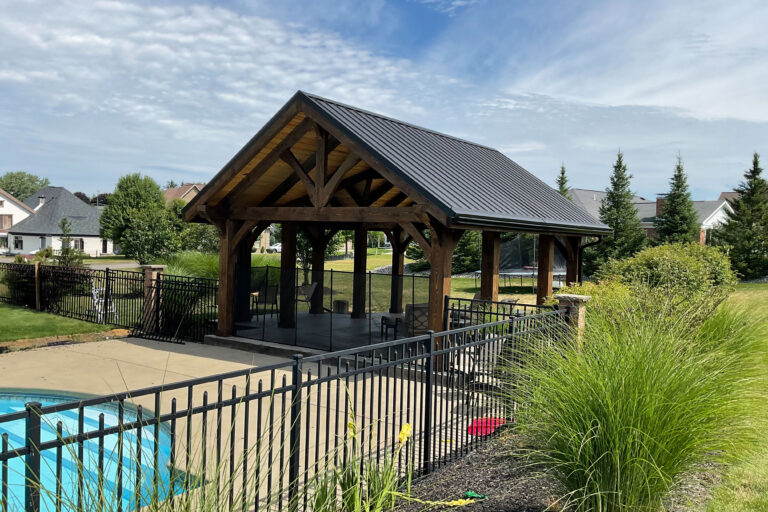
{"x":320,"y":331}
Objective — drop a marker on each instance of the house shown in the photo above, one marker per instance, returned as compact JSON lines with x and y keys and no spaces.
{"x":186,"y":192}
{"x":710,"y":214}
{"x":12,"y":211}
{"x":41,"y":229}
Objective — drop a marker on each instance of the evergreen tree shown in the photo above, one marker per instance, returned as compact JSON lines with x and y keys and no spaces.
{"x":745,"y":231}
{"x":68,"y":256}
{"x":678,"y":220}
{"x":562,"y":183}
{"x":618,"y":212}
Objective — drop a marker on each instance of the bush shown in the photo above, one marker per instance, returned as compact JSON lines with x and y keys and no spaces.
{"x":684,"y":268}
{"x":647,"y":393}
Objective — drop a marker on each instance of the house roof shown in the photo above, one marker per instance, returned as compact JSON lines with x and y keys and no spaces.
{"x":590,"y":200}
{"x":470,"y":184}
{"x":704,"y":209}
{"x":59,"y":203}
{"x":179,"y":192}
{"x":7,"y":196}
{"x":729,"y":195}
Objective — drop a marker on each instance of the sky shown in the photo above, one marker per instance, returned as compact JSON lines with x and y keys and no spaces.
{"x":92,"y":90}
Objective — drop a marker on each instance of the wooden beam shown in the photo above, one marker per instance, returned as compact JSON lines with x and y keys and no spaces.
{"x":572,"y":254}
{"x":268,"y":161}
{"x":226,"y":295}
{"x":352,"y":214}
{"x":399,"y":240}
{"x":287,"y":184}
{"x":545,"y":268}
{"x":287,"y":314}
{"x":359,"y":277}
{"x":489,"y":266}
{"x":288,"y":157}
{"x":334,"y":181}
{"x":378,"y":192}
{"x":444,"y":242}
{"x":322,"y":161}
{"x":395,"y":201}
{"x":419,"y":238}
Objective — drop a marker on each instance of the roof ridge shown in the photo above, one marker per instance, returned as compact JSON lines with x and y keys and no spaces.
{"x":398,"y":121}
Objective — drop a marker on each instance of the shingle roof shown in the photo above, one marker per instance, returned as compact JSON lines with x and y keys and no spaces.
{"x":590,"y":200}
{"x":179,"y":192}
{"x":7,"y":196}
{"x":59,"y":203}
{"x":647,"y":211}
{"x":472,"y":183}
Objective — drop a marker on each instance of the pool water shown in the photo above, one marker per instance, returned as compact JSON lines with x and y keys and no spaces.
{"x":16,"y":430}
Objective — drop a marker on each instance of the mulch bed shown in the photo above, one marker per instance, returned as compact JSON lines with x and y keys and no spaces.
{"x":513,"y":485}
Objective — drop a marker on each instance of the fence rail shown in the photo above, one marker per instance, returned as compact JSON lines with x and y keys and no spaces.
{"x":259,"y":438}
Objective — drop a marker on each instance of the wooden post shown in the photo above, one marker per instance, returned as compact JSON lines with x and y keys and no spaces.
{"x":288,"y":276}
{"x":572,"y":255}
{"x":396,"y":284}
{"x":226,"y":299}
{"x":358,"y":278}
{"x":243,"y":281}
{"x":318,"y":271}
{"x":489,"y":266}
{"x":444,"y":242}
{"x":545,"y":268}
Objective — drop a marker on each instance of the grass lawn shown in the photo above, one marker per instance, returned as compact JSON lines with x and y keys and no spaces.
{"x":20,"y":323}
{"x":745,"y":487}
{"x":382,"y":259}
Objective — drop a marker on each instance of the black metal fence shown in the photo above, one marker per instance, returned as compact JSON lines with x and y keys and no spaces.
{"x":261,"y":438}
{"x":460,"y":312}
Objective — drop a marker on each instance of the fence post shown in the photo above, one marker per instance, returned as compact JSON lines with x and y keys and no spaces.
{"x":446,"y":315}
{"x":37,"y":285}
{"x":430,"y":365}
{"x":575,"y":307}
{"x":107,"y":296}
{"x":32,"y":462}
{"x":151,"y":315}
{"x":294,"y":440}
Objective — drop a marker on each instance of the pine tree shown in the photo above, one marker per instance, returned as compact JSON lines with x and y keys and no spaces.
{"x":618,"y":212}
{"x":745,"y":231}
{"x":562,"y":183}
{"x":678,"y":221}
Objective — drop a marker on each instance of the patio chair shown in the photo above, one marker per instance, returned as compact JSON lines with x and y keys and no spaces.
{"x":305,"y":292}
{"x":417,"y":318}
{"x":102,"y":304}
{"x":267,"y":297}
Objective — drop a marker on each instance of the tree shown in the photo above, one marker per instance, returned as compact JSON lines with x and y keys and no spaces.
{"x":68,"y":256}
{"x":678,"y":222}
{"x":151,"y":235}
{"x":171,"y":184}
{"x":562,"y":183}
{"x":466,"y":256}
{"x":22,"y":184}
{"x":134,"y":193}
{"x":83,"y":197}
{"x":618,"y":212}
{"x":200,"y":237}
{"x":100,"y":199}
{"x":745,"y":232}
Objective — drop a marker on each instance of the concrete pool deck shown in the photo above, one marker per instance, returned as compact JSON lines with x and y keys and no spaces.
{"x":119,"y":365}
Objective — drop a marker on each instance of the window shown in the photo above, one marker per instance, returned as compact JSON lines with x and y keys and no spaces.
{"x":6,"y":221}
{"x":42,"y":242}
{"x":2,"y":203}
{"x":104,"y":246}
{"x":18,"y":243}
{"x":79,"y":244}
{"x":3,"y":242}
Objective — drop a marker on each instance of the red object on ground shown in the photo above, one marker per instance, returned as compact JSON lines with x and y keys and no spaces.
{"x":484,"y":426}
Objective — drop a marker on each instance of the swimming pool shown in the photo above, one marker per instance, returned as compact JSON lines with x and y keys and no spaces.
{"x":12,"y":402}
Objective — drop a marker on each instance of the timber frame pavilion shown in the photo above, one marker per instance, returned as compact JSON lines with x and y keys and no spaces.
{"x":322,"y":166}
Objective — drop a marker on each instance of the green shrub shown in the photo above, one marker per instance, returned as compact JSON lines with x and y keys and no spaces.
{"x":645,"y":394}
{"x":686,"y":268}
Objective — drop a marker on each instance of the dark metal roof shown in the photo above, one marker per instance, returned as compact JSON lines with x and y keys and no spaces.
{"x":59,"y":203}
{"x":471,"y":183}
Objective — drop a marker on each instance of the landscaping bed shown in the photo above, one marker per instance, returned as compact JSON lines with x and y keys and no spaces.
{"x":28,"y":325}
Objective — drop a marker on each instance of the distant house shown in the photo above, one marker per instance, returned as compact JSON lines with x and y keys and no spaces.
{"x":729,"y":196}
{"x":710,"y":214}
{"x":186,"y":192}
{"x":41,"y":228}
{"x":12,"y":211}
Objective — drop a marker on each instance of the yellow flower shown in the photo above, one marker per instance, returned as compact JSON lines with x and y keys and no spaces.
{"x":405,"y":433}
{"x":459,"y":503}
{"x":352,"y":428}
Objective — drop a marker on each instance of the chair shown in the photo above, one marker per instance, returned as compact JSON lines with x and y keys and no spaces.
{"x":305,"y":292}
{"x":267,"y":297}
{"x":102,"y":304}
{"x":417,"y":318}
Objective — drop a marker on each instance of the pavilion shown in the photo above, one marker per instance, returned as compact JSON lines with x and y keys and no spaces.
{"x":322,"y":166}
